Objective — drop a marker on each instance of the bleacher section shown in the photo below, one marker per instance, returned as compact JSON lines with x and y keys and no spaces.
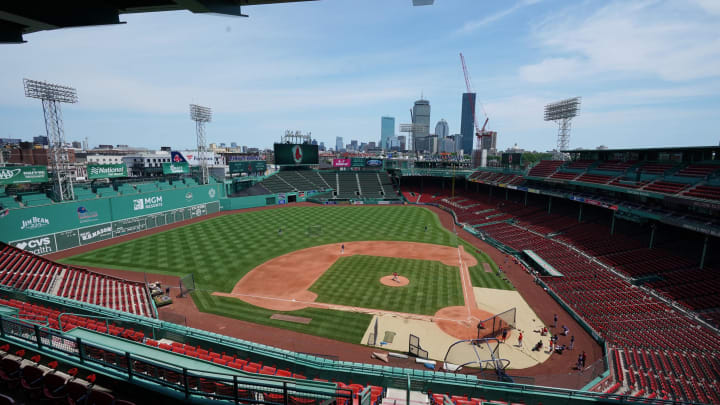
{"x":666,"y":187}
{"x":697,"y":170}
{"x":706,"y":192}
{"x":23,"y":270}
{"x":658,"y":350}
{"x":347,"y":185}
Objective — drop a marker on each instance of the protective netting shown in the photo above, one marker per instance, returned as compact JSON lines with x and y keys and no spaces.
{"x":494,"y":326}
{"x":476,"y":353}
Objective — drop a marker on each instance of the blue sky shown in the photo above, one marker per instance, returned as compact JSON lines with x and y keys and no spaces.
{"x":648,"y":71}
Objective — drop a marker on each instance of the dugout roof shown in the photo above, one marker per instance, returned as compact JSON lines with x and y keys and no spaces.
{"x":19,"y":17}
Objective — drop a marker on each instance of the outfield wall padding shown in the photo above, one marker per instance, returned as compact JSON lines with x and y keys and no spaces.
{"x":50,"y":228}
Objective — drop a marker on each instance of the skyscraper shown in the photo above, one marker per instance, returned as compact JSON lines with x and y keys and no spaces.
{"x":387,"y":130}
{"x":467,"y":124}
{"x":339,"y":144}
{"x":441,"y":129}
{"x":421,"y":119}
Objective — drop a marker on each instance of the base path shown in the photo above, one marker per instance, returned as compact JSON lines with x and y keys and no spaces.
{"x":283,"y":283}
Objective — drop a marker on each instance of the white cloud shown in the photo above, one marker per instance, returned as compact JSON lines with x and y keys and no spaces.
{"x":651,"y":39}
{"x":472,"y":26}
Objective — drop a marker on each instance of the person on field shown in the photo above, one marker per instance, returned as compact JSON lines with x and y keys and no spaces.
{"x":395,"y":276}
{"x":555,"y":323}
{"x":504,"y":335}
{"x":572,"y":342}
{"x":520,"y":339}
{"x":342,"y":249}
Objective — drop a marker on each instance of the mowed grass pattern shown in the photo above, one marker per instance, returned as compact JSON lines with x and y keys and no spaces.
{"x":355,"y":281}
{"x":220,"y":251}
{"x":338,"y":325}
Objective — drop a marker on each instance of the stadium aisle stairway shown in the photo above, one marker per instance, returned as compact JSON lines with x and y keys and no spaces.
{"x":23,"y":270}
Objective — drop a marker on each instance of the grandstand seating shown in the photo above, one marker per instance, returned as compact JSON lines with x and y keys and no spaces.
{"x":701,"y":191}
{"x":545,"y":168}
{"x":656,"y":168}
{"x":563,"y":175}
{"x":58,"y":319}
{"x":698,"y":170}
{"x":594,"y":178}
{"x":35,"y":199}
{"x":615,"y":165}
{"x":659,"y":351}
{"x":9,"y":202}
{"x":579,"y":164}
{"x":23,"y":270}
{"x":660,"y":186}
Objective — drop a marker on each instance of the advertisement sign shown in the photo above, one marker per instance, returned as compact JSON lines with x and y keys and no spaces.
{"x":24,"y":174}
{"x":295,"y":154}
{"x":106,"y":171}
{"x":248,"y":166}
{"x":341,"y":162}
{"x":175,"y":168}
{"x":40,"y":245}
{"x":95,"y":233}
{"x":357,"y":162}
{"x":374,"y":163}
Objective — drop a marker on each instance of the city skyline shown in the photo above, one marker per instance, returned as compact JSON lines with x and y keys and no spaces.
{"x":642,"y":85}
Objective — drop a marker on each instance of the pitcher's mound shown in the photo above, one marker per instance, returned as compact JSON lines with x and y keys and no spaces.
{"x":388,"y":280}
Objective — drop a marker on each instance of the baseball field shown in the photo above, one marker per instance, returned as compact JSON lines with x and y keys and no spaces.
{"x":319,"y":263}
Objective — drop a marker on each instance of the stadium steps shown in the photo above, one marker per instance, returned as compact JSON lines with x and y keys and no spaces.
{"x":359,"y":187}
{"x":382,"y":188}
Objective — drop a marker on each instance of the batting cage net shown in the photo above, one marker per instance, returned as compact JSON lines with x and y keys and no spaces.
{"x":314,"y":230}
{"x":494,"y":326}
{"x":476,"y":353}
{"x":187,"y":284}
{"x":415,"y":348}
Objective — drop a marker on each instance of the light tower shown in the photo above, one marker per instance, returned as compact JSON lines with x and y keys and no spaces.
{"x":563,"y":112}
{"x":201,"y":115}
{"x":51,"y":96}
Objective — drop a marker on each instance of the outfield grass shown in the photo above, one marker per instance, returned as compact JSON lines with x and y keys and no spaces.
{"x":221,"y":250}
{"x":338,"y":325}
{"x":355,"y":281}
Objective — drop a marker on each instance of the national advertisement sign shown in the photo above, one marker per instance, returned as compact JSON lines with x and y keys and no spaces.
{"x":40,"y":245}
{"x":23,"y":174}
{"x":176,"y":168}
{"x":341,"y":162}
{"x":106,"y":171}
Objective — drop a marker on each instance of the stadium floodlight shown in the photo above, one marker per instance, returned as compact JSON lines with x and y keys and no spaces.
{"x":563,"y":112}
{"x":51,"y":96}
{"x":201,"y":115}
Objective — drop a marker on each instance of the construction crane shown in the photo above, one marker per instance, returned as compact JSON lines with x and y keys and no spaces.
{"x":479,"y":132}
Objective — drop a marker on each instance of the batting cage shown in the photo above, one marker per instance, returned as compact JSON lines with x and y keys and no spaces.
{"x":482,"y":354}
{"x":494,"y":326}
{"x":187,"y":284}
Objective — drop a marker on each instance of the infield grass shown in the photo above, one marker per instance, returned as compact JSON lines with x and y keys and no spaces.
{"x":355,"y":281}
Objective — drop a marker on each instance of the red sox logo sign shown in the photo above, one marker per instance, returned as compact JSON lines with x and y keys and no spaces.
{"x":297,"y":153}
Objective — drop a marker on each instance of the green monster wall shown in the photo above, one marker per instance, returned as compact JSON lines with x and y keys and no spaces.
{"x":49,"y":228}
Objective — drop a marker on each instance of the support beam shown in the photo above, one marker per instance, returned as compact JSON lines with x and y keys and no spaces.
{"x":549,"y":204}
{"x":507,"y":191}
{"x":580,"y":211}
{"x":526,"y":194}
{"x":704,"y":251}
{"x":612,"y":224}
{"x":652,"y":236}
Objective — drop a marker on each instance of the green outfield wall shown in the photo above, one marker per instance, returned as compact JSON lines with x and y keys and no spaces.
{"x":50,"y":228}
